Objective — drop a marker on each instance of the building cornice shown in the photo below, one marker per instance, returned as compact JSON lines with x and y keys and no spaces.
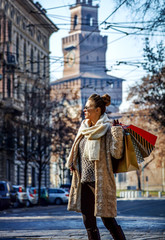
{"x":39,"y":14}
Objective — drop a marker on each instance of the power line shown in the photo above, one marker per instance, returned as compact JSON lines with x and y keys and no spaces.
{"x":68,"y":5}
{"x":100,"y":24}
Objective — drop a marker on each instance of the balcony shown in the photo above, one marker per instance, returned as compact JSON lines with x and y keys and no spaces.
{"x":11,"y":105}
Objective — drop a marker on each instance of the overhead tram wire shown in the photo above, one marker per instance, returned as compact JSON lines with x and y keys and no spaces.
{"x":69,"y":5}
{"x":98,"y":48}
{"x":100,"y":24}
{"x":105,"y":44}
{"x":108,"y":43}
{"x":127,"y":34}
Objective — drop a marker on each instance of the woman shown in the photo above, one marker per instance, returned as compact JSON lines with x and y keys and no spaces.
{"x":93,"y":190}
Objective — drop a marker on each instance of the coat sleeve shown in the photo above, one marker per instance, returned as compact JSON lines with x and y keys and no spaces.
{"x":116,"y":143}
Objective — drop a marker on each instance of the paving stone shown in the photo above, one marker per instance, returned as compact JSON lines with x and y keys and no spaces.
{"x":79,"y":234}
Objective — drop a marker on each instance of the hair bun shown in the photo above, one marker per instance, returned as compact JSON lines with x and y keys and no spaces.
{"x":107,"y":99}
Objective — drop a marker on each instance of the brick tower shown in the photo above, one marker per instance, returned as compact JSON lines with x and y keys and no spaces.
{"x":84,"y":51}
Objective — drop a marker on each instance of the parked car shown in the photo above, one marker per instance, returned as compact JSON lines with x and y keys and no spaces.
{"x":4,"y":194}
{"x":66,"y":187}
{"x":44,"y":196}
{"x":58,"y":195}
{"x":32,"y":197}
{"x":21,"y":195}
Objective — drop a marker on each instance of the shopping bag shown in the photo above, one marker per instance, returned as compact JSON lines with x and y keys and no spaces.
{"x":129,"y":160}
{"x":145,"y":140}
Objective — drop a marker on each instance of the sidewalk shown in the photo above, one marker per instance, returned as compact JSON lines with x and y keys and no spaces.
{"x":77,"y":234}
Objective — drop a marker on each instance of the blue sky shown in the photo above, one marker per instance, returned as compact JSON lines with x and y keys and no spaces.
{"x":121,"y":47}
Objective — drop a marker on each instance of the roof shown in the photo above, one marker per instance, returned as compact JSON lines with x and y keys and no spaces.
{"x":40,"y":13}
{"x":86,"y":75}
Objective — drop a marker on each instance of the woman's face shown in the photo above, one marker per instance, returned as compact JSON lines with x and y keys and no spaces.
{"x":91,"y":112}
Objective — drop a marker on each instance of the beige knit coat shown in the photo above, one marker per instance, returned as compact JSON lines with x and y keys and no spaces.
{"x":105,"y":188}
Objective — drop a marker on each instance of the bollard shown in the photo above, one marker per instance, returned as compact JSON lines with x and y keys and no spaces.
{"x":147,"y":194}
{"x":126,"y":194}
{"x":159,"y":194}
{"x":132,"y":194}
{"x":129,"y":194}
{"x":121,"y":194}
{"x":139,"y":193}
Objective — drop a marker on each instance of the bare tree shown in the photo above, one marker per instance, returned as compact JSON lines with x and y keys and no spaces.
{"x":150,"y":11}
{"x":34,"y":132}
{"x":66,"y":118}
{"x":150,"y":92}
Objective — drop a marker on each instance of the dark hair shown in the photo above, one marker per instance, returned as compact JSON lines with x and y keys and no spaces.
{"x":101,"y":102}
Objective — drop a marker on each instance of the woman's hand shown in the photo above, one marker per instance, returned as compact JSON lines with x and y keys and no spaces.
{"x":116,"y":122}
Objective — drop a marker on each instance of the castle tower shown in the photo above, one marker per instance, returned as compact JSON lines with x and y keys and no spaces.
{"x":84,"y":51}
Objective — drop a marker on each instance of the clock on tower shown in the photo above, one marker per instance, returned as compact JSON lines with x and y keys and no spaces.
{"x":82,"y":50}
{"x":71,"y":58}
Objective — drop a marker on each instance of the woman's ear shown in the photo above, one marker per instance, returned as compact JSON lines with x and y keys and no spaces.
{"x":98,"y":110}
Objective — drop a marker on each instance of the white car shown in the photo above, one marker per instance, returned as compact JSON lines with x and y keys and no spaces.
{"x":58,"y":196}
{"x":32,"y":197}
{"x":21,"y":196}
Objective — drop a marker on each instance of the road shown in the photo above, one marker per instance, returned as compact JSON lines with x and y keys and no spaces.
{"x":140,"y":219}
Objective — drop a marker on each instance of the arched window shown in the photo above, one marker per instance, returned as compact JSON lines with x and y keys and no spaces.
{"x":88,"y":19}
{"x":31,"y":59}
{"x":44,"y":67}
{"x":75,"y":21}
{"x":18,"y":174}
{"x":17,"y":49}
{"x":18,"y":87}
{"x":91,"y":21}
{"x":9,"y":30}
{"x":38,"y":64}
{"x":24,"y":55}
{"x":8,"y":87}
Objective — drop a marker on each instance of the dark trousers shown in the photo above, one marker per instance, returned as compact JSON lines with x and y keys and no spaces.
{"x":87,"y":208}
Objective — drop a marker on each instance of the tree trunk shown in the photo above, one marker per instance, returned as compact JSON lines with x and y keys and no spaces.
{"x":26,"y":160}
{"x":138,"y":173}
{"x":39,"y":185}
{"x":40,"y":169}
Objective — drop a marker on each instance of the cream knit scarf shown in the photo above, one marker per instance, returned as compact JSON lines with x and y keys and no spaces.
{"x":93,"y":135}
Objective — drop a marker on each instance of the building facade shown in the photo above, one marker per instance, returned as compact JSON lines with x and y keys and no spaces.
{"x":84,"y":73}
{"x":24,"y":75}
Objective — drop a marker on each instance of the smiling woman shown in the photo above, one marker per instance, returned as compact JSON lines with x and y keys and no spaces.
{"x":95,"y":107}
{"x":90,"y":161}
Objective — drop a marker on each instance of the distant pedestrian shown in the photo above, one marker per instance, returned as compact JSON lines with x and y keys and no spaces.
{"x":93,"y":189}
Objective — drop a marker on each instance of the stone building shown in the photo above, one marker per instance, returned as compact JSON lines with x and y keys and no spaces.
{"x":84,"y":73}
{"x":24,"y":66}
